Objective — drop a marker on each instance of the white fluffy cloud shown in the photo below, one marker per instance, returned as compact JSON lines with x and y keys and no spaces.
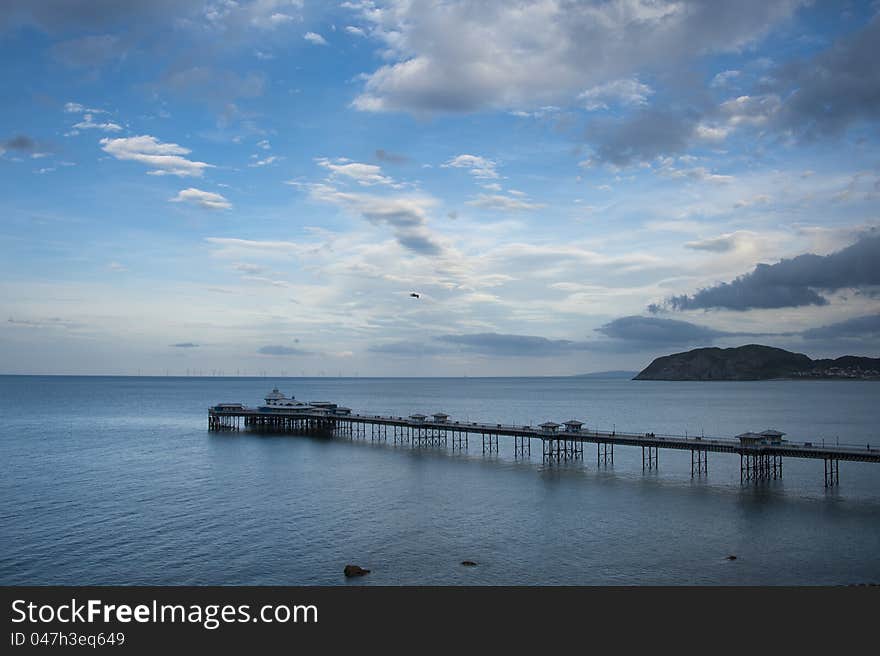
{"x":363,"y":174}
{"x":263,"y":162}
{"x":163,"y":158}
{"x":207,"y":199}
{"x":480,"y":167}
{"x":463,"y":56}
{"x":88,"y":123}
{"x":315,"y":39}
{"x":617,"y":92}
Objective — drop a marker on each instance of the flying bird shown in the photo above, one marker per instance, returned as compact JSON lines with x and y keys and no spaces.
{"x":415,"y":295}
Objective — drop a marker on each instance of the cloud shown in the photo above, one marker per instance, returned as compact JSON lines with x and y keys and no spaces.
{"x":44,"y":323}
{"x":619,"y":92}
{"x":466,"y":57}
{"x":315,"y":39}
{"x":77,"y":108}
{"x":88,"y":124}
{"x":357,"y":31}
{"x":834,"y":89}
{"x":479,"y":167}
{"x":666,"y":167}
{"x":186,"y":345}
{"x":792,"y":282}
{"x":230,"y":17}
{"x":754,"y":111}
{"x":406,"y":215}
{"x":363,"y":174}
{"x":89,"y":51}
{"x":253,"y":269}
{"x":21,"y":143}
{"x":722,"y":243}
{"x":860,"y":327}
{"x":231,"y":247}
{"x":408,"y":349}
{"x":281,"y":350}
{"x":163,"y":158}
{"x":206,"y":199}
{"x":503,"y":203}
{"x":626,"y":334}
{"x":724,"y":78}
{"x":219,"y":88}
{"x":263,"y":162}
{"x":657,"y":332}
{"x":391,"y":158}
{"x":93,"y":15}
{"x":642,"y":137}
{"x":513,"y":345}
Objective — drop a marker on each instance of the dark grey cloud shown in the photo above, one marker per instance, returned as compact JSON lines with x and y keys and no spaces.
{"x":407,"y":216}
{"x":67,"y":15}
{"x":793,"y":282}
{"x":418,"y":241}
{"x":391,"y":158}
{"x":281,"y":350}
{"x":20,"y":143}
{"x":654,"y":331}
{"x":858,"y":327}
{"x":835,"y":89}
{"x":513,"y":345}
{"x":184,"y":345}
{"x":406,"y":348}
{"x":803,"y":99}
{"x":647,"y":134}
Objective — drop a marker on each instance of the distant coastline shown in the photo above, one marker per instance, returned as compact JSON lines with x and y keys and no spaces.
{"x":628,"y":375}
{"x":757,"y":362}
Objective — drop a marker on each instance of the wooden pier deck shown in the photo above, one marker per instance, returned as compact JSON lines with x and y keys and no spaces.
{"x":559,"y":442}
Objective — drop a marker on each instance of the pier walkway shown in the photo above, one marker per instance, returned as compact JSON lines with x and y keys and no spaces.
{"x":761,"y":454}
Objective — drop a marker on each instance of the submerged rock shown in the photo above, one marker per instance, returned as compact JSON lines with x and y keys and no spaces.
{"x":468,"y":563}
{"x":731,"y":558}
{"x":354,"y":570}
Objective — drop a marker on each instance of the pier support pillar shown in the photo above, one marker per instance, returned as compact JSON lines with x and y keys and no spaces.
{"x":832,"y":472}
{"x":759,"y":466}
{"x":559,"y":449}
{"x":699,"y":462}
{"x":604,"y":454}
{"x":522,"y":446}
{"x":490,"y":443}
{"x":459,"y":440}
{"x":649,"y":457}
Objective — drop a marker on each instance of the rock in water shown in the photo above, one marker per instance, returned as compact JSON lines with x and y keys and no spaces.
{"x":468,"y":563}
{"x":354,"y":570}
{"x":731,"y":558}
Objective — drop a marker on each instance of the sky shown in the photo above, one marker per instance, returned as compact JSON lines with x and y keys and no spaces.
{"x":259,"y":187}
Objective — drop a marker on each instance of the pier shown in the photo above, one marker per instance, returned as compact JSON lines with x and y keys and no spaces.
{"x":761,"y":454}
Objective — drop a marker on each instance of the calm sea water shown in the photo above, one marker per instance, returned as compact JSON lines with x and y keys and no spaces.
{"x":117,"y":481}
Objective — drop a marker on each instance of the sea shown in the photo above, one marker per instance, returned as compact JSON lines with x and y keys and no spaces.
{"x":117,"y":481}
